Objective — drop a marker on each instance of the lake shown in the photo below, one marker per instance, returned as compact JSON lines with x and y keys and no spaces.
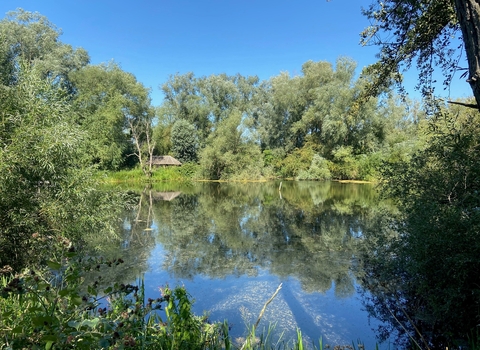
{"x":232,"y":244}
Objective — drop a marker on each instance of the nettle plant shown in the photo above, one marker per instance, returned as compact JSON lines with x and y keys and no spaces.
{"x":53,"y":309}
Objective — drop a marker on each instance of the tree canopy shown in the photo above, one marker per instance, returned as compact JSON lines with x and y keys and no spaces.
{"x":428,"y":34}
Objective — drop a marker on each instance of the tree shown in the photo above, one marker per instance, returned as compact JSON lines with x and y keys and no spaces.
{"x":230,"y":153}
{"x":426,"y":272}
{"x":184,"y":141}
{"x":115,"y":110}
{"x":204,"y":102}
{"x":162,"y":130}
{"x":424,"y":30}
{"x":428,"y":269}
{"x":46,"y":192}
{"x":32,"y":38}
{"x":99,"y":102}
{"x":140,"y":127}
{"x":183,"y":100}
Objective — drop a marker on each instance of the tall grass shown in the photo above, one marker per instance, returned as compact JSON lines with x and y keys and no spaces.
{"x":185,"y":172}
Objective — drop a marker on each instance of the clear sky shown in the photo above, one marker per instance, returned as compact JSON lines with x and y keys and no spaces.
{"x":154,"y":39}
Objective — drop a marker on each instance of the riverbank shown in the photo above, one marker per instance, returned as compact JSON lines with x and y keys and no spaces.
{"x":187,"y":172}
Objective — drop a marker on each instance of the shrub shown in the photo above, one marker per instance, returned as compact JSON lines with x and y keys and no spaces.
{"x":344,"y":166}
{"x":318,"y":170}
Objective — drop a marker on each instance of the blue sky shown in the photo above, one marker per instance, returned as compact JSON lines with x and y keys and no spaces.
{"x":154,"y":39}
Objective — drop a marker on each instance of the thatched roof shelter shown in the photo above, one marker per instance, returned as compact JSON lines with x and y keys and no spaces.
{"x":164,"y":161}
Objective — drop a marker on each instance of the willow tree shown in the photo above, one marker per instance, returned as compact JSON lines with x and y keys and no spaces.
{"x":425,"y":33}
{"x":46,"y":191}
{"x":115,"y":110}
{"x":32,"y":38}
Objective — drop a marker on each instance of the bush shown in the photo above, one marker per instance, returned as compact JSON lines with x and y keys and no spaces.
{"x":344,"y":166}
{"x":318,"y":170}
{"x":297,"y":161}
{"x":369,"y":166}
{"x":430,"y":269}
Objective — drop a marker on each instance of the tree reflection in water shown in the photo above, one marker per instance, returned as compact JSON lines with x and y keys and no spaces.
{"x":308,"y":234}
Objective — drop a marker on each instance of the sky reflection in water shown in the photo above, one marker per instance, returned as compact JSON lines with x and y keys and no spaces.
{"x":231,"y":245}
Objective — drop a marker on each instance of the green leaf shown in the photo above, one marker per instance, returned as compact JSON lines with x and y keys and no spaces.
{"x":54,"y":265}
{"x":73,"y":324}
{"x":64,"y":292}
{"x":42,"y":320}
{"x":76,"y":300}
{"x":90,"y":323}
{"x":50,"y":338}
{"x":17,"y":330}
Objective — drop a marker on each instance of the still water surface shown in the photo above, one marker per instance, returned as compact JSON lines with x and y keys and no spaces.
{"x":231,"y":245}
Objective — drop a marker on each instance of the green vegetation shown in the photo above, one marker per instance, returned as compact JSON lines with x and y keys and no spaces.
{"x":55,"y":308}
{"x":232,"y":127}
{"x":62,"y":120}
{"x":422,"y":265}
{"x":428,"y":268}
{"x":186,"y":172}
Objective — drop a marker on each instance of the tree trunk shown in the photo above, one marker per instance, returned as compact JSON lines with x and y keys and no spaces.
{"x":468,"y":15}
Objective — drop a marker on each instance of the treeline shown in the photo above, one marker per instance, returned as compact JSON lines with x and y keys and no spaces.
{"x":317,"y":125}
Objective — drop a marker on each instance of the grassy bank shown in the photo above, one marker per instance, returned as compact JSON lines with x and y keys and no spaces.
{"x":184,"y":173}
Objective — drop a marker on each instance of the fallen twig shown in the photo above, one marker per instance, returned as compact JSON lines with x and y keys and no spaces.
{"x":261,"y":314}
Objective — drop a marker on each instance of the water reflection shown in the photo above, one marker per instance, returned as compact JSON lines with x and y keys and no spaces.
{"x":231,"y":243}
{"x":310,"y":232}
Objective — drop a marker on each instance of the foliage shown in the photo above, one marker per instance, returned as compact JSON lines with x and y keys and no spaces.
{"x":45,"y":189}
{"x":323,"y":106}
{"x":114,"y":109}
{"x":423,"y":32}
{"x":318,"y":170}
{"x":186,"y":172}
{"x":345,"y":166}
{"x":53,"y":310}
{"x":297,"y":161}
{"x":430,"y":269}
{"x":99,"y":99}
{"x":230,"y":154}
{"x":162,"y":132}
{"x":56,"y":309}
{"x":33,"y":39}
{"x":184,"y":141}
{"x":204,"y":102}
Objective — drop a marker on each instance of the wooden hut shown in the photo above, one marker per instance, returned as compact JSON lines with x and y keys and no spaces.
{"x":165,"y":161}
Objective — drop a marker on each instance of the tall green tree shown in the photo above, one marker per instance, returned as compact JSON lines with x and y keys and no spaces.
{"x":46,"y":192}
{"x":115,"y":110}
{"x":162,"y":131}
{"x":183,"y":100}
{"x":184,"y":141}
{"x":206,"y":101}
{"x":32,"y":38}
{"x":230,"y":153}
{"x":427,"y":269}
